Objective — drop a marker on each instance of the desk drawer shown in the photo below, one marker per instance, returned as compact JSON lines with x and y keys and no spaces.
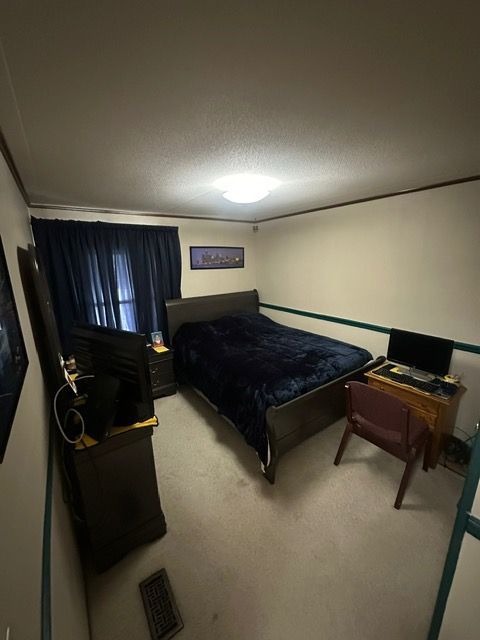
{"x":424,"y":404}
{"x":421,"y":406}
{"x":429,"y":418}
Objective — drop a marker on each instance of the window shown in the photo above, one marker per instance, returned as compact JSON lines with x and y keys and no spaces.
{"x":113,"y":305}
{"x":114,"y":275}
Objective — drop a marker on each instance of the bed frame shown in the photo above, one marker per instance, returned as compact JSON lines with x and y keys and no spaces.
{"x":288,"y":424}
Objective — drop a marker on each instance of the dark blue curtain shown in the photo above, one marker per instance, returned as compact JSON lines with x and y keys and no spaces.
{"x":114,"y":275}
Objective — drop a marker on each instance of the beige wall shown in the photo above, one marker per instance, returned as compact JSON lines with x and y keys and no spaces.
{"x":191,"y":232}
{"x":476,"y":503}
{"x":410,"y":261}
{"x":462,"y":614}
{"x":23,"y":477}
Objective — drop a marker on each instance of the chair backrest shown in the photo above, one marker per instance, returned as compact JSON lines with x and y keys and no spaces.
{"x":379,"y":408}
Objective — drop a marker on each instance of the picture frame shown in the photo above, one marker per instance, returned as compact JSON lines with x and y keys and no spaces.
{"x":216,"y":257}
{"x":13,"y":355}
{"x":157,"y":339}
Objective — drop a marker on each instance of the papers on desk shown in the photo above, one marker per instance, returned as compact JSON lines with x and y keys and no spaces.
{"x":88,"y":441}
{"x":160,"y":349}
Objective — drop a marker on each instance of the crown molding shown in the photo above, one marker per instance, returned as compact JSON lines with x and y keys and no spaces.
{"x":403,"y":192}
{"x":65,"y":207}
{"x":4,"y":149}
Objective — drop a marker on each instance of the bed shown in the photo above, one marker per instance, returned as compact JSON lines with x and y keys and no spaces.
{"x":277,"y":385}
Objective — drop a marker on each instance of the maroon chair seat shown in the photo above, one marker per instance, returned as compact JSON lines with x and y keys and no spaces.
{"x":385,"y":421}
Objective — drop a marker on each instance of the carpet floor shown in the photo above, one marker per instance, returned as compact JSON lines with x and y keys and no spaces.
{"x":321,"y":555}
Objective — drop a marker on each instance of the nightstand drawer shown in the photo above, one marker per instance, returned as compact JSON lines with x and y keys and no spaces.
{"x":165,"y":390}
{"x":429,"y":418}
{"x":162,"y":376}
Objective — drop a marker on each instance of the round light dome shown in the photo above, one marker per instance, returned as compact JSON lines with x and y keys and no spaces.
{"x":244,"y":188}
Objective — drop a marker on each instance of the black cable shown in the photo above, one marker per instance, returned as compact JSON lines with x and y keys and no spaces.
{"x":70,"y":499}
{"x":445,"y":465}
{"x":469,"y":436}
{"x":459,"y":473}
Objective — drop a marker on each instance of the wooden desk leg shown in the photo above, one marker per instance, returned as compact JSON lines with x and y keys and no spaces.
{"x":442,"y":429}
{"x":435,"y":447}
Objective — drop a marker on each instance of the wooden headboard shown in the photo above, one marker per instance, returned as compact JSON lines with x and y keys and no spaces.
{"x":181,"y":310}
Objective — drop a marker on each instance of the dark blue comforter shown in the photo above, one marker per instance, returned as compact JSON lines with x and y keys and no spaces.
{"x":246,"y":363}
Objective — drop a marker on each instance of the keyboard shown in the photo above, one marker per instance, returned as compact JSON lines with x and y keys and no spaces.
{"x":436,"y":386}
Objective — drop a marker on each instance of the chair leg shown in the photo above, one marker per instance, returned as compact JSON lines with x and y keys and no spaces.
{"x":404,"y":482}
{"x":343,"y":444}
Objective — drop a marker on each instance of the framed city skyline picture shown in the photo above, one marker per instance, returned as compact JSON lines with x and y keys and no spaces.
{"x":213,"y":257}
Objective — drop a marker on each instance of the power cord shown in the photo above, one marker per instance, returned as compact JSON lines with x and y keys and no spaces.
{"x":469,"y":436}
{"x":68,"y":490}
{"x":452,"y":456}
{"x":69,"y":411}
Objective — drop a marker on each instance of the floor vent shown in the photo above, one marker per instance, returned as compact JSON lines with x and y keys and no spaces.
{"x":162,"y":614}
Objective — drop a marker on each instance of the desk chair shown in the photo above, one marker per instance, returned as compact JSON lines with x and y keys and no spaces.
{"x":387,"y":422}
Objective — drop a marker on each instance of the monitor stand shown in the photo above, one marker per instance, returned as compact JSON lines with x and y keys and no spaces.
{"x":401,"y":369}
{"x":418,"y":374}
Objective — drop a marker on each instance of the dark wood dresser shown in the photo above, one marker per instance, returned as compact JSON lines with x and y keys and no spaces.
{"x":116,"y":495}
{"x":161,"y":373}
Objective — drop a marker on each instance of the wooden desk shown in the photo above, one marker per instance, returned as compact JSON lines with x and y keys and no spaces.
{"x":438,"y":413}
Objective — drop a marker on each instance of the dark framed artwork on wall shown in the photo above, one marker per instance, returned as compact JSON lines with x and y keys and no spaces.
{"x":212,"y":257}
{"x":13,"y":355}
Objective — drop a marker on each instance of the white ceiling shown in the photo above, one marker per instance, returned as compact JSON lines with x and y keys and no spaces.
{"x":142,"y":105}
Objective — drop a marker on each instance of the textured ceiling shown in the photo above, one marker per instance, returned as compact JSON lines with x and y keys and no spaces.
{"x":142,"y":105}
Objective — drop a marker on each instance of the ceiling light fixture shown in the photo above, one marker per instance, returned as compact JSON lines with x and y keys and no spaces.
{"x":244,"y":188}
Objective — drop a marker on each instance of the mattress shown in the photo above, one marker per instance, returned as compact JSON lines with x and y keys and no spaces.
{"x":245,"y":363}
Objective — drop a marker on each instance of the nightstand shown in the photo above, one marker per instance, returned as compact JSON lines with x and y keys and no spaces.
{"x":161,"y":373}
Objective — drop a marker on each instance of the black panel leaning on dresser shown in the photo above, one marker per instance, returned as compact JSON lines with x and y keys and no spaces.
{"x":161,"y":373}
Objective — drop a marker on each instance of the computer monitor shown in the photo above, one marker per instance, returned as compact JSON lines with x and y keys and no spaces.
{"x":111,"y":354}
{"x":421,"y":352}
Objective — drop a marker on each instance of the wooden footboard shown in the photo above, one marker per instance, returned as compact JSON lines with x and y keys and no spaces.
{"x":291,"y":423}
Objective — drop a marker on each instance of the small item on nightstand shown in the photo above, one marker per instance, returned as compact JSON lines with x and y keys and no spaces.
{"x":157,"y":342}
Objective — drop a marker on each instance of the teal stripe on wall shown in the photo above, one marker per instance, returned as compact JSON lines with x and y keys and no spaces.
{"x":46,"y":593}
{"x":463,"y":521}
{"x":460,"y":346}
{"x":473,"y":526}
